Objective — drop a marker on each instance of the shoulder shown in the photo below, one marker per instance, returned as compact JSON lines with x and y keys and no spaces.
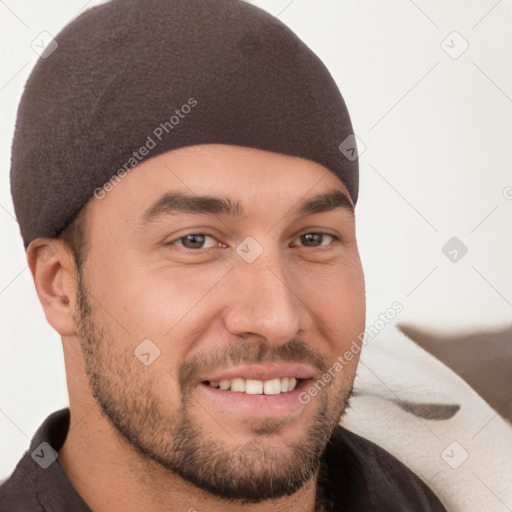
{"x":22,"y":491}
{"x":373,"y":479}
{"x":17,"y":493}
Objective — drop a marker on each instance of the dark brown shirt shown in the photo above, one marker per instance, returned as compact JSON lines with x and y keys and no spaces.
{"x":357,"y":476}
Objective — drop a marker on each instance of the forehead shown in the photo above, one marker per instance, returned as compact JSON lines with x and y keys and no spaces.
{"x":255,"y":178}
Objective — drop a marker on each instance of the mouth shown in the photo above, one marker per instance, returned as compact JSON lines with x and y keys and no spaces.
{"x":257,"y":391}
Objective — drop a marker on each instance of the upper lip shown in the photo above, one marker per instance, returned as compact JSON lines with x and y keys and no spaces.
{"x":262,"y":372}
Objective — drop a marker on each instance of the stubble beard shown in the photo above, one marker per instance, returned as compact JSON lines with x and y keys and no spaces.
{"x":249,"y":472}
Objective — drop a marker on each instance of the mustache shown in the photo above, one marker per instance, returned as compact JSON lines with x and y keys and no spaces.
{"x":295,"y":350}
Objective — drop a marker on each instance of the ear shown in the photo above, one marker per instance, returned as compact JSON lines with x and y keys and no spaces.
{"x":54,"y":273}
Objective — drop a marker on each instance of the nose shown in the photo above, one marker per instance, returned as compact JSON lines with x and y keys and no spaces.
{"x":263,"y":304}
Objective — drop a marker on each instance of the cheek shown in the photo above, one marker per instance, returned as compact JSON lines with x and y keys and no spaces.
{"x":335,"y":295}
{"x":160,"y":304}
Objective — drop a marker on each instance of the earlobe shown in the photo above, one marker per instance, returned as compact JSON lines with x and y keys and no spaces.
{"x":54,"y":274}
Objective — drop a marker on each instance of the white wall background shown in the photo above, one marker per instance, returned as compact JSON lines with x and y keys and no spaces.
{"x":437,"y":165}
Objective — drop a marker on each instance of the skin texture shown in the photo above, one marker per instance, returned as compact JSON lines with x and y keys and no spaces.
{"x":154,"y":437}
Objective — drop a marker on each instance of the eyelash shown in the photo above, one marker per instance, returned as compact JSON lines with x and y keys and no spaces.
{"x":181,"y":238}
{"x":174,"y":242}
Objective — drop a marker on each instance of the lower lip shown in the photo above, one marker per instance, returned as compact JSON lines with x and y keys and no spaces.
{"x":257,"y":406}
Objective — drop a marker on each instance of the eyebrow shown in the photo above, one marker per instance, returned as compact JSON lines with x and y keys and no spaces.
{"x":178,"y":202}
{"x":326,"y":202}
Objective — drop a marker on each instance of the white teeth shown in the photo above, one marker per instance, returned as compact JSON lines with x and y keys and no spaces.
{"x":256,"y":387}
{"x":272,"y":387}
{"x":238,"y":385}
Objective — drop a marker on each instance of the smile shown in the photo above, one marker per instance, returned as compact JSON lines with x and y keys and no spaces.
{"x":256,"y":391}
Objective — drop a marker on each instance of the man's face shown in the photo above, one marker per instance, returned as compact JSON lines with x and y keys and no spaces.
{"x":254,"y":289}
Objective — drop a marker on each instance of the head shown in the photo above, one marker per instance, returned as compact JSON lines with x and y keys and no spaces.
{"x":203,"y":274}
{"x":161,"y":270}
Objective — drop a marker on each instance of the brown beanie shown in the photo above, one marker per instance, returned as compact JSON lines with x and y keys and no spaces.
{"x":129,"y":80}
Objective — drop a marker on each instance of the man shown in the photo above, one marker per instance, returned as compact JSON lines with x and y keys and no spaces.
{"x":184,"y":177}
